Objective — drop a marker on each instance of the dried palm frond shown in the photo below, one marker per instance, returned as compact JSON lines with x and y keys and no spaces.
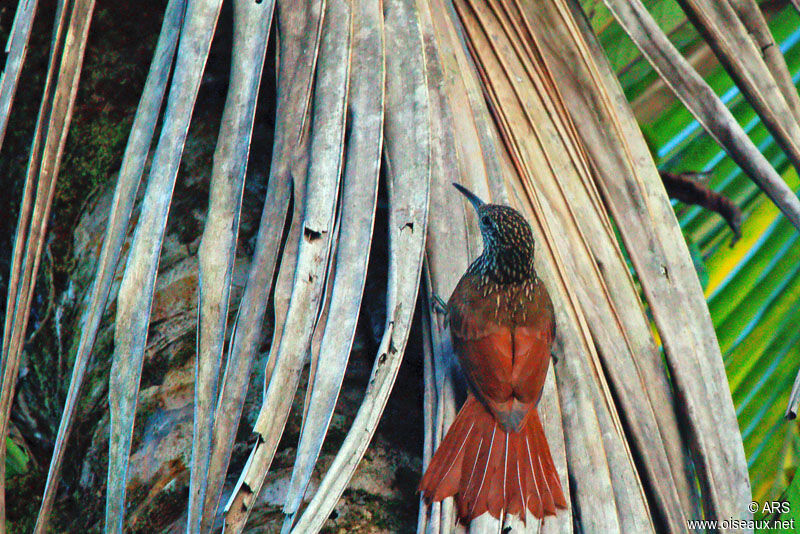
{"x":55,"y":113}
{"x":515,"y":99}
{"x":16,"y":49}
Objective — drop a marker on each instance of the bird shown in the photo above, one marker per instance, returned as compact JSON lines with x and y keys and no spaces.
{"x":495,"y":456}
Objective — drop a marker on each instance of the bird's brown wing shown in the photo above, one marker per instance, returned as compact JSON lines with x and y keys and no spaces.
{"x":533,"y":337}
{"x":505,"y":361}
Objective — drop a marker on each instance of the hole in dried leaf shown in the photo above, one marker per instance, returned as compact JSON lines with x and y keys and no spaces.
{"x":311,"y":235}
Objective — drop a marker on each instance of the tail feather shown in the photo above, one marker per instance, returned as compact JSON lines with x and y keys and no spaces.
{"x":472,"y":470}
{"x":527,"y":481}
{"x":490,"y":470}
{"x":547,"y":500}
{"x":448,"y":470}
{"x":495,"y":478}
{"x":536,"y":432}
{"x":476,"y":494}
{"x":515,"y":493}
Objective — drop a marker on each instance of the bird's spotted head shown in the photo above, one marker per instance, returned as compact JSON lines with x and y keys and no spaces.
{"x":508,"y":246}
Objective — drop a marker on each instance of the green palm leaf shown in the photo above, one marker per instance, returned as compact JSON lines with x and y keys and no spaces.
{"x":753,"y":289}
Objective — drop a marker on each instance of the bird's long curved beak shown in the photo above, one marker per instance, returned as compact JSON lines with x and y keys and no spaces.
{"x":474,"y":200}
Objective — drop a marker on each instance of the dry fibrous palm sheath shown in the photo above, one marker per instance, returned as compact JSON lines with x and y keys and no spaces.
{"x":300,"y":31}
{"x":124,"y":196}
{"x":516,"y":101}
{"x":55,"y":114}
{"x":252,"y":22}
{"x":135,"y":298}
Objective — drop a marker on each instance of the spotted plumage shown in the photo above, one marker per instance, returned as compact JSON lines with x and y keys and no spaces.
{"x":508,"y":249}
{"x":504,"y":273}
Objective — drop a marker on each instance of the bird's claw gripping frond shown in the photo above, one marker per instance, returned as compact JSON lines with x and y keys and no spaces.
{"x":439,"y":305}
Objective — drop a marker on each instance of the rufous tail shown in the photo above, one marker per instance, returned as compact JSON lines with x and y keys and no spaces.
{"x":487,"y":469}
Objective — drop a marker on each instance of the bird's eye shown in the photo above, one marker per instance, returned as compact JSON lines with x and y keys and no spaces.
{"x":486,"y":221}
